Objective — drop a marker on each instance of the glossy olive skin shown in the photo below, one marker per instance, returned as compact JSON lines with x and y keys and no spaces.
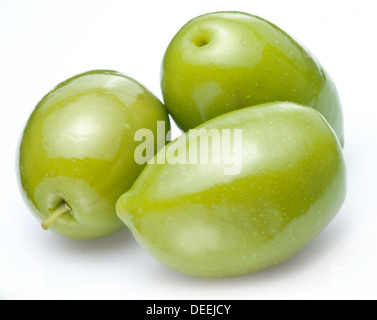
{"x":198,"y":221}
{"x":78,"y":147}
{"x":223,"y":61}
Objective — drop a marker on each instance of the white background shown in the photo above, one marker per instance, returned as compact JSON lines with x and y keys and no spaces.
{"x":45,"y":42}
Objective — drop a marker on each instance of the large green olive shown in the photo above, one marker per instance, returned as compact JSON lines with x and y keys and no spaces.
{"x":223,"y":61}
{"x":271,"y":179}
{"x":77,"y":151}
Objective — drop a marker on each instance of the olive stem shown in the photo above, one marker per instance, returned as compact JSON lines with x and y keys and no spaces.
{"x":63,"y":208}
